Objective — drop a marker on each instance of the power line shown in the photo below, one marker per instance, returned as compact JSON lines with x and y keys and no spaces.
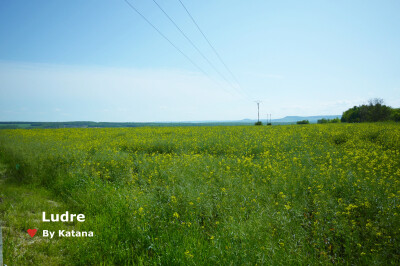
{"x":176,"y":47}
{"x":194,"y":46}
{"x":166,"y":38}
{"x":212,"y":47}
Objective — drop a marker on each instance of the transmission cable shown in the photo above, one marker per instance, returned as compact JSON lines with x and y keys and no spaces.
{"x":212,"y":47}
{"x":194,"y":46}
{"x":176,"y":47}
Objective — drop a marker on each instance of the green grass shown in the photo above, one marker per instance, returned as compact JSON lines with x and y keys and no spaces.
{"x":312,"y":194}
{"x":20,"y":209}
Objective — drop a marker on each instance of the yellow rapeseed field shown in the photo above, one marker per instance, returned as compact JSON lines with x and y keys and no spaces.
{"x":299,"y":194}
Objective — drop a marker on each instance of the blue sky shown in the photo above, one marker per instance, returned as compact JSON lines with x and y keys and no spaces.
{"x":98,"y":60}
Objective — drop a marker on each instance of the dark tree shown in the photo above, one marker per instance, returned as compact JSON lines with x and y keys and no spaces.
{"x":375,"y":111}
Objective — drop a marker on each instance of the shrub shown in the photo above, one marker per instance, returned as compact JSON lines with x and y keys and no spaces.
{"x":395,"y":115}
{"x":303,"y":122}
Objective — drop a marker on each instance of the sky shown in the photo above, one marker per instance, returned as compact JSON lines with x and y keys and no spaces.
{"x":98,"y":60}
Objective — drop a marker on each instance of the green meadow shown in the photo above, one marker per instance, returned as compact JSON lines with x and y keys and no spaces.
{"x":226,"y":195}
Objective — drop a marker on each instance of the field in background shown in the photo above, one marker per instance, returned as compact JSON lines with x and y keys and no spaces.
{"x":288,"y":120}
{"x":201,"y":195}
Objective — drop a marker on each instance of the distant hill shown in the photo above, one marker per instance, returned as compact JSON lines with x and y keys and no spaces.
{"x":312,"y":119}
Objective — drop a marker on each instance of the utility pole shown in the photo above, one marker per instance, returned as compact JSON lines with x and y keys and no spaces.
{"x":258,"y":110}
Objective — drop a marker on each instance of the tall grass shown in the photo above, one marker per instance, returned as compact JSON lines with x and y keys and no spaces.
{"x":243,"y":195}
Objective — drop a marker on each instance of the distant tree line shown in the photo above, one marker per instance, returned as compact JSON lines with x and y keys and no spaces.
{"x":325,"y":121}
{"x":374,"y":111}
{"x":90,"y":124}
{"x":303,"y":122}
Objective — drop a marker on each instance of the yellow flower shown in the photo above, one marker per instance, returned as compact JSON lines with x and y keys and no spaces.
{"x":173,"y":199}
{"x":187,"y":253}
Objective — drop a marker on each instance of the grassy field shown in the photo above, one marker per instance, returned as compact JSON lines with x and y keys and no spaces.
{"x":300,"y":194}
